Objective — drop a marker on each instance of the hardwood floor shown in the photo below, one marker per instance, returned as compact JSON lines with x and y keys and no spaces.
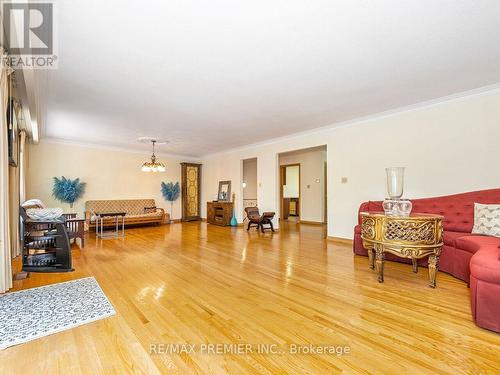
{"x":195,"y":284}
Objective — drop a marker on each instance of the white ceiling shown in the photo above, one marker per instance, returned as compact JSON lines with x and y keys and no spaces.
{"x":213,"y":75}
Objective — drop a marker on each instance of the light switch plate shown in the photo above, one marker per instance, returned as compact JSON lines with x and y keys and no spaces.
{"x":344,"y":180}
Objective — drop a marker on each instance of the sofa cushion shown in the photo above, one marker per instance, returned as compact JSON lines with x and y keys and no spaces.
{"x":472,"y":243}
{"x":150,"y":214}
{"x":485,"y":264}
{"x":487,"y":219}
{"x":130,"y":206}
{"x":449,"y":237}
{"x":112,"y":218}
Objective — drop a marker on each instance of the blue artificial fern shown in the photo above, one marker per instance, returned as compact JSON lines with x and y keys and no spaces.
{"x":170,"y":191}
{"x":67,"y":190}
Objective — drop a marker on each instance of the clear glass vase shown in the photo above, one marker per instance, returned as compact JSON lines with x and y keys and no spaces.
{"x":403,"y":207}
{"x":395,"y":182}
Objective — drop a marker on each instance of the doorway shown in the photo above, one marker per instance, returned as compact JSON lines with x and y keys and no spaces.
{"x":290,"y":191}
{"x":302,"y":177}
{"x":249,"y":184}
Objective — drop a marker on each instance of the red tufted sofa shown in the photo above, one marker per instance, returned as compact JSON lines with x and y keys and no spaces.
{"x":472,"y":258}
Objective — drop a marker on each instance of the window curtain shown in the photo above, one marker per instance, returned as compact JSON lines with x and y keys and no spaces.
{"x":14,"y":197}
{"x":5,"y":241}
{"x":22,"y":166}
{"x":21,"y":190}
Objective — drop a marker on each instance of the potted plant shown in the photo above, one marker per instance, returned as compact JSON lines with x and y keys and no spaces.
{"x":170,"y":192}
{"x":67,"y":190}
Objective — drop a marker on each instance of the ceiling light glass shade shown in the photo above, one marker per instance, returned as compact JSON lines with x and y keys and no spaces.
{"x":153,"y":165}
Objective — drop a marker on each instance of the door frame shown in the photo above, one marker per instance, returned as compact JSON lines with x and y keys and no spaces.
{"x":282,"y":179}
{"x":325,"y":193}
{"x":241,"y":198}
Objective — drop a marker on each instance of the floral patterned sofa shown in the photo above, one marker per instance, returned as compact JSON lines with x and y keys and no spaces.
{"x":138,"y":211}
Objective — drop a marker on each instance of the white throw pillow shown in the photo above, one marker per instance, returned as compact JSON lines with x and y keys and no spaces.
{"x":486,"y":219}
{"x":33,"y":203}
{"x":44,"y":213}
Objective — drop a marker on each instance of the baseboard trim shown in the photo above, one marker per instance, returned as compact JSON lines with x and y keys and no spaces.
{"x":340,"y":240}
{"x":311,"y":222}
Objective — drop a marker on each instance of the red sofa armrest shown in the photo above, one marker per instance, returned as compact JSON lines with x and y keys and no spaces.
{"x":365,"y":206}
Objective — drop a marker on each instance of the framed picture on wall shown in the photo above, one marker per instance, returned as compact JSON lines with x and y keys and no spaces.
{"x":224,"y":193}
{"x":13,"y":134}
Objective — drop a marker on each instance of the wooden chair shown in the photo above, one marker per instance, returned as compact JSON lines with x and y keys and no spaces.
{"x":254,"y":217}
{"x":75,"y":228}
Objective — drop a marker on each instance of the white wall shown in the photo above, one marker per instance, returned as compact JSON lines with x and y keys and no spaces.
{"x":312,"y":163}
{"x":292,"y":187}
{"x":450,"y":147}
{"x":109,"y":174}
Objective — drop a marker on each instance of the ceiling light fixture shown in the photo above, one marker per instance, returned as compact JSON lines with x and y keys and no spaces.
{"x":153,"y":165}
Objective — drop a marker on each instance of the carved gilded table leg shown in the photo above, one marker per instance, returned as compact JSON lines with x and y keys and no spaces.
{"x":379,"y":262}
{"x":371,"y":259}
{"x":414,"y":262}
{"x":433,"y":267}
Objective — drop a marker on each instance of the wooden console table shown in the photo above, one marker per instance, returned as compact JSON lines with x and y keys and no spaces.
{"x":219,"y":213}
{"x":413,"y":237}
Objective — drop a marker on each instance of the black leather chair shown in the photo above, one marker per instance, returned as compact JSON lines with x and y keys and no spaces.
{"x":255,"y":218}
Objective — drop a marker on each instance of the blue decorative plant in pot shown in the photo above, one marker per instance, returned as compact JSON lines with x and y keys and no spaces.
{"x":67,"y":190}
{"x":170,"y":192}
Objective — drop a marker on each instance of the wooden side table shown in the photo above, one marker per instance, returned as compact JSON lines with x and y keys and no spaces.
{"x":413,"y":237}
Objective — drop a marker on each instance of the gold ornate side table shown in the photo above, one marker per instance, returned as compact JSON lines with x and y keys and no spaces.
{"x":413,"y":237}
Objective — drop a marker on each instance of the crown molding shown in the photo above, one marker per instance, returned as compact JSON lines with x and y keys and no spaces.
{"x":115,"y":148}
{"x":457,"y":97}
